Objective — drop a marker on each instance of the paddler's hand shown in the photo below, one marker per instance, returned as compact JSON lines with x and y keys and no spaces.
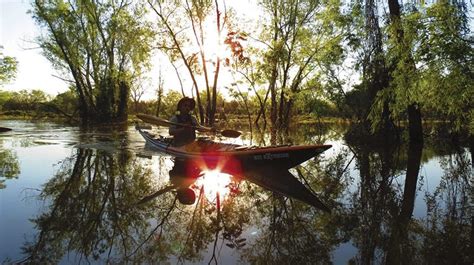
{"x":204,"y":129}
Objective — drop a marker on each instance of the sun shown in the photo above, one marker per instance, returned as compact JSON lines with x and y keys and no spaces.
{"x":213,"y":44}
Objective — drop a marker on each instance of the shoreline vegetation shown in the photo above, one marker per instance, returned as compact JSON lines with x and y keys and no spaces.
{"x":231,"y":118}
{"x":241,"y":119}
{"x":431,"y":126}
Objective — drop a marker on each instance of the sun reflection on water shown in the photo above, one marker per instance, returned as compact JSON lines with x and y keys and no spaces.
{"x":213,"y":183}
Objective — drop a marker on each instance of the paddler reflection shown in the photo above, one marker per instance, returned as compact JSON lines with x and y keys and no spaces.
{"x":182,"y":176}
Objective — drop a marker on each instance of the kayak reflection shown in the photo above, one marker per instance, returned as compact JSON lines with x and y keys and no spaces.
{"x":188,"y":179}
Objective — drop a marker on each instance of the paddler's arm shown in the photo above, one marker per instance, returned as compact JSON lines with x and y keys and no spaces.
{"x":199,"y":127}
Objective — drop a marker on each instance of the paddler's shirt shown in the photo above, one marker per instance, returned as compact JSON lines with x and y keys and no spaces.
{"x":186,"y":137}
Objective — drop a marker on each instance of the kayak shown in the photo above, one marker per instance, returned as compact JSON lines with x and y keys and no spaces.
{"x":247,"y":157}
{"x":264,"y":166}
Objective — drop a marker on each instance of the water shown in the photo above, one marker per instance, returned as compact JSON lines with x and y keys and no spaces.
{"x":70,"y":196}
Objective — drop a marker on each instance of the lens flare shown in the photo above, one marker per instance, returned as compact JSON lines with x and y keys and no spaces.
{"x":214,"y":182}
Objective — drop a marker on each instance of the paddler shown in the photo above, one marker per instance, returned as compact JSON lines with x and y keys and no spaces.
{"x":184,"y":135}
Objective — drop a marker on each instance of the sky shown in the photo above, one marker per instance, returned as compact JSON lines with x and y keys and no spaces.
{"x":18,"y":32}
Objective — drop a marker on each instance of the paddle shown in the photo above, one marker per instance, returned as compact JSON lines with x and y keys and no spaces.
{"x":4,"y":129}
{"x":154,"y":195}
{"x":162,"y":122}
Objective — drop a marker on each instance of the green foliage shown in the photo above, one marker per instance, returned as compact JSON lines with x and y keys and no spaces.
{"x":303,"y":37}
{"x":9,"y":165}
{"x":8,"y":68}
{"x":24,"y":100}
{"x":66,"y":101}
{"x":309,"y":102}
{"x":448,"y":71}
{"x":170,"y":103}
{"x":4,"y":97}
{"x":103,"y":46}
{"x":432,"y":65}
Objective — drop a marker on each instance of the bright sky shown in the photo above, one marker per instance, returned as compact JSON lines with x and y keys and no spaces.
{"x":18,"y":32}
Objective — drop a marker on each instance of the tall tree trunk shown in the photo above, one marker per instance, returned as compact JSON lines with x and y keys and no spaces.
{"x":124,"y":92}
{"x":396,"y":251}
{"x":375,"y":71}
{"x":158,"y":101}
{"x":273,"y":101}
{"x":261,"y":111}
{"x":274,"y":75}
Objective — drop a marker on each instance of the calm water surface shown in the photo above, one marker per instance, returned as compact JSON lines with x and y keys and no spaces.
{"x":73,"y":196}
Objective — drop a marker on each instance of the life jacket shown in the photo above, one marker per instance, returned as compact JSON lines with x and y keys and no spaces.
{"x":189,"y":135}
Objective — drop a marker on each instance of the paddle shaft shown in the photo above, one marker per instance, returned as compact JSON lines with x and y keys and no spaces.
{"x":162,"y":122}
{"x":167,"y":123}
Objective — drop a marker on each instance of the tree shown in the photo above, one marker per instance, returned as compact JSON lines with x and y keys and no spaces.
{"x":299,"y":37}
{"x":185,"y":23}
{"x":8,"y":68}
{"x":366,"y":43}
{"x":65,"y":103}
{"x":26,"y":100}
{"x":103,"y":46}
{"x":446,"y":54}
{"x":137,"y":92}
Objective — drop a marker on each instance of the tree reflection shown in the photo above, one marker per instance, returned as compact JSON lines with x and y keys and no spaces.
{"x":450,"y":214}
{"x":110,"y":207}
{"x":97,"y":212}
{"x":91,"y":209}
{"x":385,"y":230}
{"x":9,"y":166}
{"x":378,"y":163}
{"x":291,"y":232}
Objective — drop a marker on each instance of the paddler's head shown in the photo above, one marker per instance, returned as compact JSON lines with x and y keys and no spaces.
{"x":186,"y":105}
{"x":186,"y":196}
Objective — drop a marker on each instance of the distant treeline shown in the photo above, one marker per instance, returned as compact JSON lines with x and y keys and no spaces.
{"x":36,"y":103}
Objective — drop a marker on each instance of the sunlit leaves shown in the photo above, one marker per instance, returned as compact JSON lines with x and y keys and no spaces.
{"x":8,"y":67}
{"x":437,"y":42}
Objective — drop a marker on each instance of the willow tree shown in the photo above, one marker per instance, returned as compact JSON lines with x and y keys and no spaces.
{"x":300,"y":36}
{"x":193,"y":34}
{"x":446,"y":55}
{"x":430,"y":56}
{"x":101,"y":46}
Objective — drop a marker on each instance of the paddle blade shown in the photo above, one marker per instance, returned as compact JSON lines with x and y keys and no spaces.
{"x":4,"y":129}
{"x":231,"y":133}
